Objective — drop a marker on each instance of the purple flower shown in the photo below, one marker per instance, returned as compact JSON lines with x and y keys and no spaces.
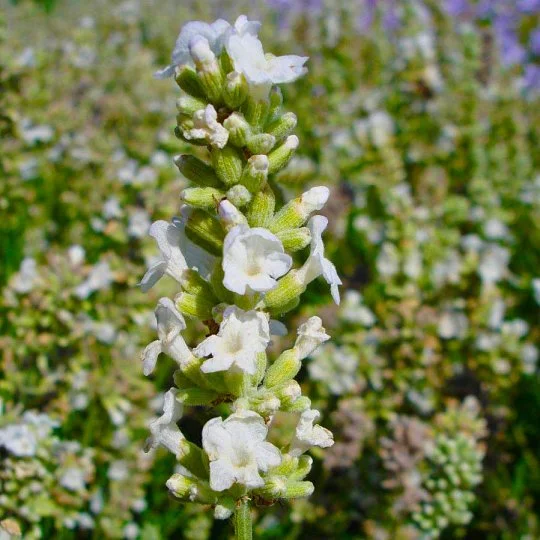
{"x":534,"y":42}
{"x":457,"y":7}
{"x":531,"y":78}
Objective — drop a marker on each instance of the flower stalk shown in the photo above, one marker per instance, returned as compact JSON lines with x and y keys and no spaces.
{"x":231,"y":251}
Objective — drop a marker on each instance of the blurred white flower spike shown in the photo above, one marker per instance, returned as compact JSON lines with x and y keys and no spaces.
{"x":231,"y":255}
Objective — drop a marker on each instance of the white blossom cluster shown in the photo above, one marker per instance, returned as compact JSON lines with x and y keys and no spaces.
{"x":231,"y":250}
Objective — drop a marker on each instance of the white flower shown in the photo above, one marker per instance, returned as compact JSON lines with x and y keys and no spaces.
{"x":493,"y":264}
{"x":73,"y":479}
{"x":307,"y":435}
{"x":317,"y":264}
{"x":388,"y":260}
{"x":206,"y":126}
{"x":76,"y":254}
{"x":164,"y":431}
{"x":242,"y":335}
{"x":170,"y":323}
{"x":237,"y":450}
{"x":112,"y":209}
{"x":100,"y":277}
{"x":19,"y":440}
{"x":214,"y":33}
{"x":453,"y":324}
{"x":536,"y":290}
{"x":353,"y":311}
{"x":310,"y":335}
{"x":336,"y":368}
{"x":253,"y":259}
{"x":27,"y":276}
{"x":177,"y":251}
{"x":260,"y":70}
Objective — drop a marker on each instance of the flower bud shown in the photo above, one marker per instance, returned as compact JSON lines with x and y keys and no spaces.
{"x":294,"y":239}
{"x":189,"y":82}
{"x":282,"y":154}
{"x":288,"y":466}
{"x":239,"y":195}
{"x":188,"y":105}
{"x":227,"y":164}
{"x":255,"y":173}
{"x":310,"y":335}
{"x":194,"y":283}
{"x":210,"y":75}
{"x":202,"y":197}
{"x":256,"y":112}
{"x":304,"y":467}
{"x":205,"y":231}
{"x":195,"y":306}
{"x":288,"y":393}
{"x":261,"y":143}
{"x":282,"y":126}
{"x":288,"y":289}
{"x":284,"y":368}
{"x":296,"y":212}
{"x":197,"y":171}
{"x":238,"y":128}
{"x":274,"y":487}
{"x":301,"y":404}
{"x":229,"y":215}
{"x":195,"y":460}
{"x":182,"y":487}
{"x":261,"y":208}
{"x":262,"y":362}
{"x":296,"y":490}
{"x":235,"y":90}
{"x":225,"y":508}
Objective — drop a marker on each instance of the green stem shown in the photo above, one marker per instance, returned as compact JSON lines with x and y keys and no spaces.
{"x":242,"y":521}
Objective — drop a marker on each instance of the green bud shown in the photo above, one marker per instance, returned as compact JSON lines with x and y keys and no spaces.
{"x":287,"y":393}
{"x":188,"y":105}
{"x":205,"y":231}
{"x":261,"y":144}
{"x":196,"y":397}
{"x":286,"y":367}
{"x":181,"y":486}
{"x":197,"y":171}
{"x":287,"y":289}
{"x":256,"y":112}
{"x":294,"y":239}
{"x":196,"y":306}
{"x":194,"y":283}
{"x":282,"y":126}
{"x":274,"y":487}
{"x":288,"y":466}
{"x":301,"y":404}
{"x":194,"y":459}
{"x":296,"y":212}
{"x":191,"y":369}
{"x":279,"y":158}
{"x":202,"y":197}
{"x":239,"y":195}
{"x":261,"y":208}
{"x":297,"y":490}
{"x":188,"y":81}
{"x":235,"y":90}
{"x":276,"y":101}
{"x":264,"y":403}
{"x":238,"y":383}
{"x":228,"y":164}
{"x":255,"y":173}
{"x":304,"y":467}
{"x":211,"y":76}
{"x":238,"y":128}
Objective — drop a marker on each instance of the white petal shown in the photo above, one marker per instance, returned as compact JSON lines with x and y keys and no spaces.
{"x":222,"y":475}
{"x":150,"y":356}
{"x":218,"y":363}
{"x":153,"y":275}
{"x":267,"y":456}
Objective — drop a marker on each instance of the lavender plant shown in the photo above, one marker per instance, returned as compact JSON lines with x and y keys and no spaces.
{"x":231,"y":251}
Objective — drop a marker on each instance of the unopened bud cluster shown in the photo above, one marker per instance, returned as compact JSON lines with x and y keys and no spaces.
{"x":231,"y":251}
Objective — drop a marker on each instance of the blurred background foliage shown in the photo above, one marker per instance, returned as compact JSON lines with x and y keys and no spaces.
{"x":422,"y":117}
